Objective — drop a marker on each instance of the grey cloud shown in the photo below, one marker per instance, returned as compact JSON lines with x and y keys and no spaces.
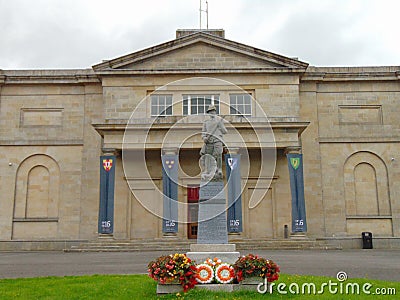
{"x":322,"y":39}
{"x":73,"y":34}
{"x":64,"y":37}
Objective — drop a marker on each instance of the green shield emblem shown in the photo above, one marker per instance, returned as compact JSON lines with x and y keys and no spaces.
{"x":295,"y":162}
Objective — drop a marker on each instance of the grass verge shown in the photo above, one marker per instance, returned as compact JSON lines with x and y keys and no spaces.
{"x":143,"y":287}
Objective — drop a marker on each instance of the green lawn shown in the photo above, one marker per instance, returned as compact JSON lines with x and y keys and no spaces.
{"x":143,"y":287}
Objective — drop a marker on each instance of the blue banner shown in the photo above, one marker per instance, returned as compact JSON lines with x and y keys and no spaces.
{"x":106,"y":208}
{"x":295,"y":162}
{"x":234,"y":193}
{"x":170,"y":192}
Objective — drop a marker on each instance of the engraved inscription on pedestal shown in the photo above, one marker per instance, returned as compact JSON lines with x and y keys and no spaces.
{"x":211,"y":189}
{"x":212,"y":214}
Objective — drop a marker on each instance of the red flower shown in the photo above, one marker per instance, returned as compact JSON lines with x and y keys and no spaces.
{"x":239,"y":275}
{"x":183,"y":269}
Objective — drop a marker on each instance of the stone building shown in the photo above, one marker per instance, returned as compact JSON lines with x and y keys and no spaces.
{"x":56,"y":124}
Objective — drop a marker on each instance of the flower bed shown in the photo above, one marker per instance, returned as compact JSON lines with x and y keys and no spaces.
{"x":254,"y":266}
{"x":180,"y":268}
{"x":174,"y":267}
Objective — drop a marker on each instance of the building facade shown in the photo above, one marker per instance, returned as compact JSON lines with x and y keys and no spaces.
{"x":56,"y":124}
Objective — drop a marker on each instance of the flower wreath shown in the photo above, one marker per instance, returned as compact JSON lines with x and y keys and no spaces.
{"x":224,"y":273}
{"x":205,"y":273}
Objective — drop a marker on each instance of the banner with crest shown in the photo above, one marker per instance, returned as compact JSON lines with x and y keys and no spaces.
{"x":295,"y":163}
{"x":170,"y":190}
{"x":234,"y":217}
{"x":106,"y":208}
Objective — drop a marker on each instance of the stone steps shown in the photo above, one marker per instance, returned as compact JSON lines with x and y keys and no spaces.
{"x":110,"y":245}
{"x":130,"y":246}
{"x":284,"y":244}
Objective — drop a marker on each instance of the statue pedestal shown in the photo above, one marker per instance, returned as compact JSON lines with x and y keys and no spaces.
{"x":226,"y":252}
{"x":212,"y":227}
{"x":212,"y":234}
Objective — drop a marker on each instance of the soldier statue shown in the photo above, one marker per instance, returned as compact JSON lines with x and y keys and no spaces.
{"x":211,"y":152}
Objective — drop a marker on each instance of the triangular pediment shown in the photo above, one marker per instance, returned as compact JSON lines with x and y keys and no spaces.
{"x":201,"y":51}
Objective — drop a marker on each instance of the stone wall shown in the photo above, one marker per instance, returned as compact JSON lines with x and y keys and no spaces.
{"x":49,"y":148}
{"x":351,"y":146}
{"x":49,"y":155}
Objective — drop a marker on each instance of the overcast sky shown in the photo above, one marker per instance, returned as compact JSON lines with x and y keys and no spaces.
{"x":55,"y":34}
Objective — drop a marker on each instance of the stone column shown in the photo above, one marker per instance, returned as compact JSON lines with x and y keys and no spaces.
{"x":106,"y":204}
{"x":235,"y":218}
{"x":295,"y":164}
{"x":170,"y":162}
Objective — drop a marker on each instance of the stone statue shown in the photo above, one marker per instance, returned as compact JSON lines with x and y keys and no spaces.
{"x":211,"y":152}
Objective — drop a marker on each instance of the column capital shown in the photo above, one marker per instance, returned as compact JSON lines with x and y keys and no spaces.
{"x":110,"y":151}
{"x":294,"y":149}
{"x":170,"y":151}
{"x":233,"y":150}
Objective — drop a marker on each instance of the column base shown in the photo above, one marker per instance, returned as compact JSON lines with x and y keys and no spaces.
{"x":169,"y":235}
{"x":298,"y":235}
{"x":234,"y":236}
{"x":106,"y":236}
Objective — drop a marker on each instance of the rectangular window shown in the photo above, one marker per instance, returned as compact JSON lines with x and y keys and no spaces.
{"x":161,"y":105}
{"x":198,"y":104}
{"x":240,"y":104}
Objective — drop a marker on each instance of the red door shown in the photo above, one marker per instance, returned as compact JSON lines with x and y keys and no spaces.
{"x":193,"y":211}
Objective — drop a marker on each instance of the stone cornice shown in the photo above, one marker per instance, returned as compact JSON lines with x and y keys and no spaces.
{"x":49,"y":142}
{"x":326,"y":74}
{"x":2,"y":78}
{"x":81,"y":76}
{"x":124,"y":72}
{"x":258,"y":135}
{"x":298,"y":126}
{"x":365,"y":139}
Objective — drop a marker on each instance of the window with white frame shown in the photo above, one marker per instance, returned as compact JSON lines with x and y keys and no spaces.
{"x":240,"y":104}
{"x":198,"y":104}
{"x":161,"y":105}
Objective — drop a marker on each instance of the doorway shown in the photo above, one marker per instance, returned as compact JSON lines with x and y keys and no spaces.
{"x":193,"y":211}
